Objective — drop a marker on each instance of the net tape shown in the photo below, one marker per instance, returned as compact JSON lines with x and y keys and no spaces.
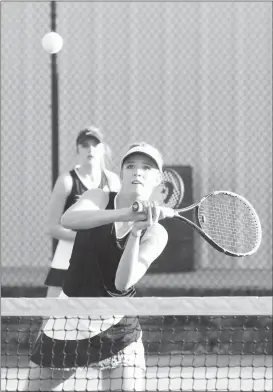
{"x":138,"y":306}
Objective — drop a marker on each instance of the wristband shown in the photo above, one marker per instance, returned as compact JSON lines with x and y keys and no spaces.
{"x":136,"y":235}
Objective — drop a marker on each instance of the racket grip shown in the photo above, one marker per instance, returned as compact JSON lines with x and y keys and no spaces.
{"x":166,"y":212}
{"x":137,"y":206}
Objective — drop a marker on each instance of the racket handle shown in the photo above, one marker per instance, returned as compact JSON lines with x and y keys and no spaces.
{"x":137,"y":206}
{"x":166,"y":212}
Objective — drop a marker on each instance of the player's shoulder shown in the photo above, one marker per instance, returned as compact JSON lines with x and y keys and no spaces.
{"x":65,"y":176}
{"x":64,"y":181}
{"x":70,"y":174}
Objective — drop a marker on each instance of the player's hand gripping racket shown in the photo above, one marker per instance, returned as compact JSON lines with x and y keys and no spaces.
{"x":170,"y":192}
{"x":225,"y":220}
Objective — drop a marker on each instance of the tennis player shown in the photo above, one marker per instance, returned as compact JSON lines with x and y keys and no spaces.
{"x":113,"y":249}
{"x":89,"y":173}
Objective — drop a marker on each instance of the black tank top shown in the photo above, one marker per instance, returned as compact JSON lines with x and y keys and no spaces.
{"x":78,"y":188}
{"x":94,"y":262}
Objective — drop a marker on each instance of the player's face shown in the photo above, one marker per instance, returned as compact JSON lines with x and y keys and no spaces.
{"x":140,"y":175}
{"x":90,"y":150}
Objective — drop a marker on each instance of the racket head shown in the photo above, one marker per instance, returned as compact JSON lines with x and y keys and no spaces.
{"x":231,"y":222}
{"x":170,"y":192}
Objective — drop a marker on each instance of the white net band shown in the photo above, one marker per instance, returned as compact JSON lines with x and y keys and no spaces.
{"x":146,"y":306}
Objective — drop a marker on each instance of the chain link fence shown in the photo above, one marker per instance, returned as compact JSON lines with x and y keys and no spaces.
{"x":194,"y":79}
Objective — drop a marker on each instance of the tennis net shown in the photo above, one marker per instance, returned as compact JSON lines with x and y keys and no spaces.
{"x":191,"y":344}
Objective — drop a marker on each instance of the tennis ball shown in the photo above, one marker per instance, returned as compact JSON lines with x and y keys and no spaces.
{"x":52,"y":42}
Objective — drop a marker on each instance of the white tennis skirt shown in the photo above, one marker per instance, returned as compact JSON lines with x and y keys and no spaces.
{"x":59,"y":264}
{"x":72,"y":342}
{"x":62,"y":255}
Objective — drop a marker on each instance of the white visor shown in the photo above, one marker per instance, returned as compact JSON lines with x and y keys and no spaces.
{"x":146,"y":150}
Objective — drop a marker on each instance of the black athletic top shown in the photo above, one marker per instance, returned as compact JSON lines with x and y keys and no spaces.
{"x":94,"y":262}
{"x":78,"y":188}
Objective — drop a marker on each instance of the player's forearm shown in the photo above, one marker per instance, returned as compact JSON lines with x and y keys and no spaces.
{"x":83,"y":220}
{"x":125,"y":275}
{"x":60,"y":233}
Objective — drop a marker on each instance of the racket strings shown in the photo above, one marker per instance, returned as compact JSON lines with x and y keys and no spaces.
{"x":171,"y":190}
{"x":230,"y":222}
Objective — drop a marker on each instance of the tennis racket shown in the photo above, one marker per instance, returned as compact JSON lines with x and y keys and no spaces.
{"x":170,"y":192}
{"x":224,"y":219}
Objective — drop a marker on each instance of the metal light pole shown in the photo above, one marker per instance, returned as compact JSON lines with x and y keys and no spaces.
{"x":54,"y":108}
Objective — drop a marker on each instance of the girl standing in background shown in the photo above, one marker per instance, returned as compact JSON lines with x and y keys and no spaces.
{"x":90,"y":173}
